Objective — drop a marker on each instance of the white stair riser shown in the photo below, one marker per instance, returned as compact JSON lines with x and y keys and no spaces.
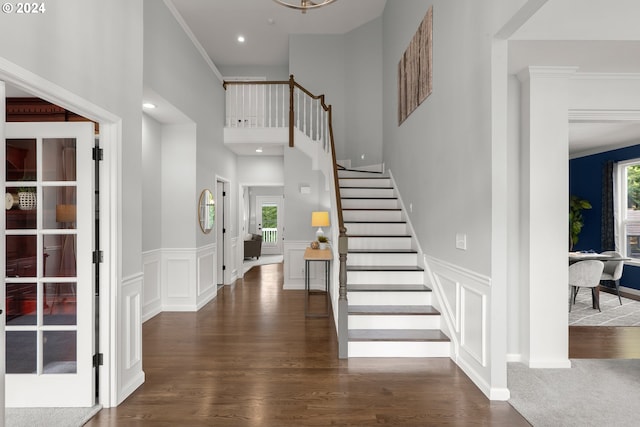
{"x":389,"y":298}
{"x":367,"y":192}
{"x":379,"y":243}
{"x":398,"y":349}
{"x":370,"y":204}
{"x":366,"y":182}
{"x":376,"y":228}
{"x":382,"y":259}
{"x":384,"y":277}
{"x":372,"y":215}
{"x":394,"y":321}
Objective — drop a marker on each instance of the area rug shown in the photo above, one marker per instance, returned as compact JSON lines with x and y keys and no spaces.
{"x":590,"y":393}
{"x":49,"y":417}
{"x":613,"y":314}
{"x":248,"y":264}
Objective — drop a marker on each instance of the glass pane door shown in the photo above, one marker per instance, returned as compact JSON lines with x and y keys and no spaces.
{"x":49,"y":286}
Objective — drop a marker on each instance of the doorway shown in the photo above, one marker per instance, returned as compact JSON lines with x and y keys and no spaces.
{"x":269,"y":223}
{"x":13,"y":78}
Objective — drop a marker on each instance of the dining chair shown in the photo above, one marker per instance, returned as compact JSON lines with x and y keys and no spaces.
{"x":585,"y":274}
{"x":613,"y":271}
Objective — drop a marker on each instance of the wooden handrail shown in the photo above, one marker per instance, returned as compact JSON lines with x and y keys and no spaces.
{"x":342,"y":239}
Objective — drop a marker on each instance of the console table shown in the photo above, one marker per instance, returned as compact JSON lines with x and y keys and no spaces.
{"x":322,"y":255}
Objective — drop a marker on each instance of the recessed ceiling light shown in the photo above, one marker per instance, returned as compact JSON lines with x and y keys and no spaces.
{"x":240,"y":39}
{"x":148,"y":105}
{"x":259,"y":150}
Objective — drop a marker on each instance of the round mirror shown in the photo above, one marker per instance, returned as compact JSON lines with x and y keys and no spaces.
{"x":206,"y":211}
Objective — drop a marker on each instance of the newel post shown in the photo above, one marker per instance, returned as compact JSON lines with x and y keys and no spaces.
{"x":291,"y":112}
{"x":343,"y":305}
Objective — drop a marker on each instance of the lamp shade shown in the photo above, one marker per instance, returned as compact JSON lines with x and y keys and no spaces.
{"x":319,"y":219}
{"x":65,"y":213}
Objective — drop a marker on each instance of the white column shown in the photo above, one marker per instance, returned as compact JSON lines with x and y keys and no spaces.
{"x":544,"y":203}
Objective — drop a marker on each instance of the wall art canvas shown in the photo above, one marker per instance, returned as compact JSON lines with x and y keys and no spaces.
{"x":415,"y":69}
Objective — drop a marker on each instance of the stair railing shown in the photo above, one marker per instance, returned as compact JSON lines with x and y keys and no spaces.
{"x":261,"y":104}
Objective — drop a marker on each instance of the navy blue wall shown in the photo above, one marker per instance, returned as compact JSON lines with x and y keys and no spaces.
{"x":585,"y":181}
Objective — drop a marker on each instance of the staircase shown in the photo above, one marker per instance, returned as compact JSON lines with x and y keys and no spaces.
{"x":390,"y":312}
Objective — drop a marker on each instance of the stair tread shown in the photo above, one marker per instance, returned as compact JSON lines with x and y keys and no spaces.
{"x":375,"y":222}
{"x":367,"y":188}
{"x":371,"y":209}
{"x":382,"y":251}
{"x":397,"y":335}
{"x":393,"y":310}
{"x":364,"y":177}
{"x":379,"y":235}
{"x":387,"y":288}
{"x":369,"y":198}
{"x":384,"y":268}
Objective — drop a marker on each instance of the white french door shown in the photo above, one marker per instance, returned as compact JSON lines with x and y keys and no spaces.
{"x":269,"y":223}
{"x":49,"y":280}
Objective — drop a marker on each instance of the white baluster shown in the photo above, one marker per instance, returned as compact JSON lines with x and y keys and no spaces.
{"x":268,"y":113}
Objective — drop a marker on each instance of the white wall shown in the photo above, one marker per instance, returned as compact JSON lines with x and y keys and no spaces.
{"x":176,"y":71}
{"x":363,"y":85}
{"x":261,"y":170}
{"x":151,"y":183}
{"x":351,"y":82}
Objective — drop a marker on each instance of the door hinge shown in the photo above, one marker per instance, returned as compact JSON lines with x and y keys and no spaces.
{"x":98,"y":257}
{"x":224,"y":267}
{"x":224,"y":193}
{"x":224,"y":230}
{"x":98,"y":360}
{"x":97,"y":153}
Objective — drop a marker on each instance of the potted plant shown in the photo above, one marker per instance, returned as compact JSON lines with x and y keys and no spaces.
{"x":576,"y":221}
{"x":323,"y":242}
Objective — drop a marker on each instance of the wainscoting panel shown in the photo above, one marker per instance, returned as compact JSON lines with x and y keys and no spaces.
{"x":179,"y":280}
{"x":463,"y":298}
{"x":152,"y":290}
{"x":294,"y":267}
{"x":206,"y":284}
{"x":131,"y":373}
{"x":473,"y":332}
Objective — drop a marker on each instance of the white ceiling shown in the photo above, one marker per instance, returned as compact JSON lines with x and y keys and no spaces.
{"x":266,"y":26}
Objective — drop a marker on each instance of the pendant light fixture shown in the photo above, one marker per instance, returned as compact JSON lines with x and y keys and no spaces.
{"x":304,"y":5}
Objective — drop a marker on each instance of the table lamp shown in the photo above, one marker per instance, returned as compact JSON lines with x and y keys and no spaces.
{"x":319,"y":219}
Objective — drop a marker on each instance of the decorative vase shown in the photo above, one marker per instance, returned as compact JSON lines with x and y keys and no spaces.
{"x":26,"y":200}
{"x":323,"y":245}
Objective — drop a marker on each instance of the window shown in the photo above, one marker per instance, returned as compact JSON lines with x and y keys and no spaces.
{"x":628,"y":213}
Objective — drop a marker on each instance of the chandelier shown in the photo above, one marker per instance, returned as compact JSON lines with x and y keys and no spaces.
{"x":304,"y":4}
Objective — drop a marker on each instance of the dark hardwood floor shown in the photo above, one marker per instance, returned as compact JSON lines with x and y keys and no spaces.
{"x":251,"y":358}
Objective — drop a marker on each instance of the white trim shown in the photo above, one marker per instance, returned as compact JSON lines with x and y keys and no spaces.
{"x":579,"y":115}
{"x":606,"y":76}
{"x":193,"y":39}
{"x":450,"y":285}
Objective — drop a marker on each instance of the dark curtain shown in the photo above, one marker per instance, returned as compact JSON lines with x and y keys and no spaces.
{"x":608,"y":233}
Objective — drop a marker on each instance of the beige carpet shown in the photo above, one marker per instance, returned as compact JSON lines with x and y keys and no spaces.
{"x":49,"y":417}
{"x":592,"y":393}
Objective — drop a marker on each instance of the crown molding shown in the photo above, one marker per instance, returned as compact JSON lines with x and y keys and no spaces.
{"x":193,"y":39}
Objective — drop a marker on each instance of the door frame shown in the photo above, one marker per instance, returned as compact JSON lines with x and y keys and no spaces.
{"x":110,"y":211}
